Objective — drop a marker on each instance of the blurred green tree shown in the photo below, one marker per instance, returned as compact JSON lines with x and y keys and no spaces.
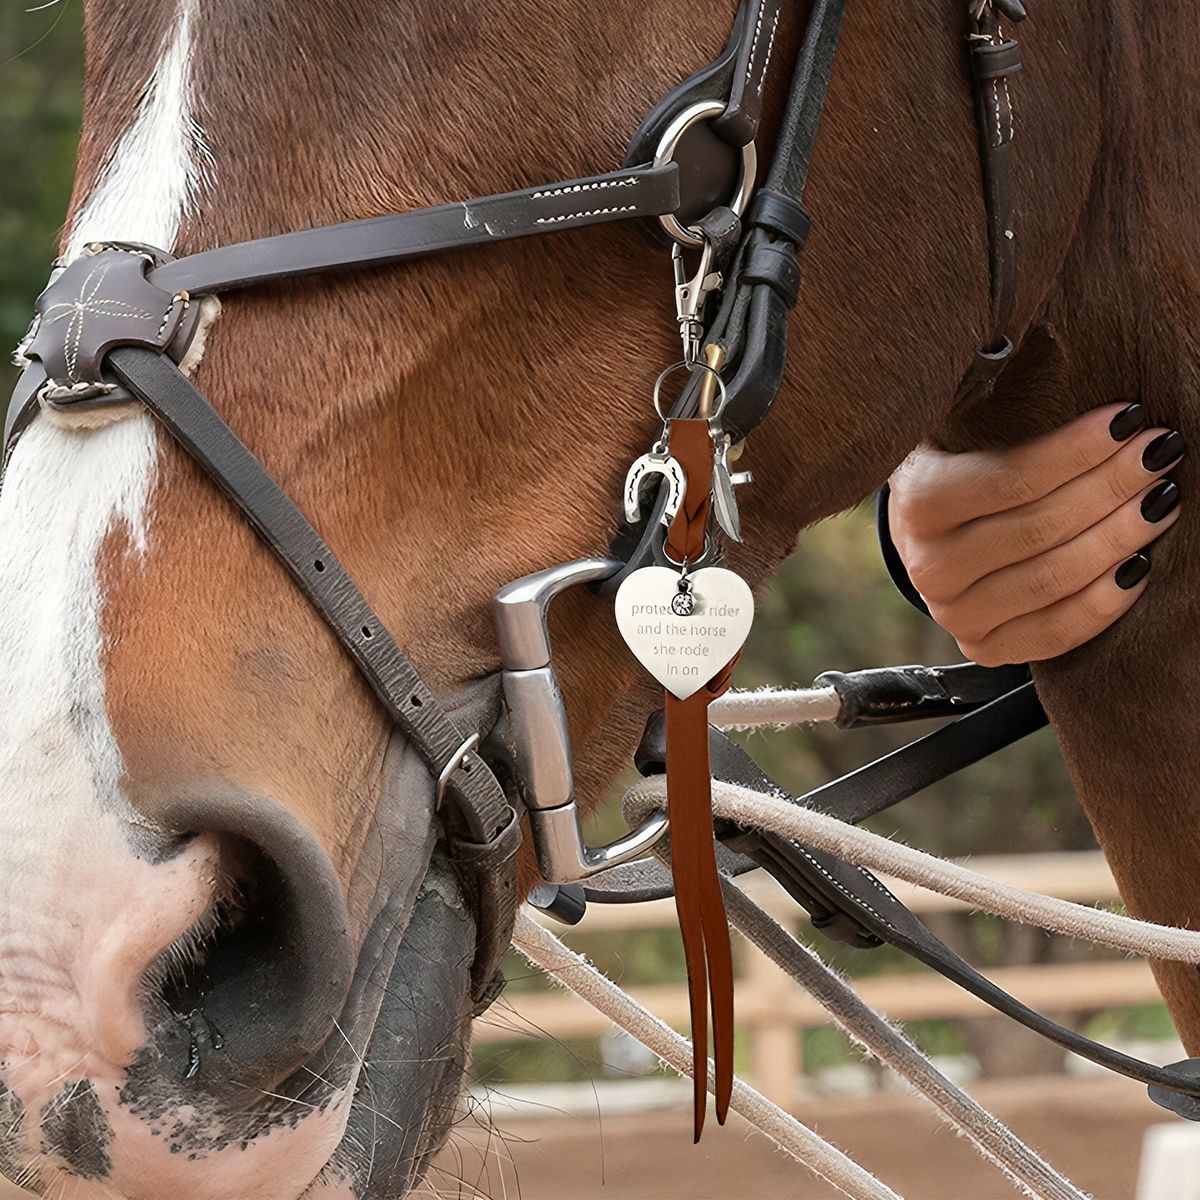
{"x":41,"y":69}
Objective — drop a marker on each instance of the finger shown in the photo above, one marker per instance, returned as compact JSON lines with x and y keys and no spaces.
{"x":937,"y":491}
{"x":1041,"y":582}
{"x":1069,"y":623}
{"x":988,"y":544}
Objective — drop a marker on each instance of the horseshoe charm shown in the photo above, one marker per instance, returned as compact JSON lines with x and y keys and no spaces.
{"x":657,"y":462}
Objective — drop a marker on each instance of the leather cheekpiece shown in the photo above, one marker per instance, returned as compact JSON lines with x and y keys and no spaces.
{"x":479,"y":802}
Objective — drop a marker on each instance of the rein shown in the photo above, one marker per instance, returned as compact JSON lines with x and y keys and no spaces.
{"x":113,"y":326}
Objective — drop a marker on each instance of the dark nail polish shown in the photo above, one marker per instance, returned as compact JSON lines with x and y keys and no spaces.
{"x":1127,"y":422}
{"x":1159,"y":501}
{"x":1163,"y":451}
{"x":1132,"y":571}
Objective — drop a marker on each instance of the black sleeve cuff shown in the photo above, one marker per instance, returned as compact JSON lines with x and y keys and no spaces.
{"x":891,"y":556}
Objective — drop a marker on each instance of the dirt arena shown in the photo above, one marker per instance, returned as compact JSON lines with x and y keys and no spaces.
{"x":1090,"y":1129}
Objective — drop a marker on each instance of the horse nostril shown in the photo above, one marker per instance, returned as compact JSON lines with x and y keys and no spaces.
{"x":217,"y":964}
{"x":254,"y":989}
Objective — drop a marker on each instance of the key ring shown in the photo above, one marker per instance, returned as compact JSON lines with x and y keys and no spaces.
{"x":688,"y":564}
{"x":689,"y":367}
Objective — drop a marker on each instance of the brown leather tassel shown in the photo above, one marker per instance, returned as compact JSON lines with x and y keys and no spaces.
{"x":698,"y":901}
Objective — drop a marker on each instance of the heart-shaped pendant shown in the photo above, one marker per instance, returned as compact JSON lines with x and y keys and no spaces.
{"x":684,"y":645}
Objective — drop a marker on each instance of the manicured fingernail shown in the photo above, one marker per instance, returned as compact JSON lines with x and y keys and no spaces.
{"x":1161,"y":499}
{"x":1163,"y":451}
{"x":1132,"y":571}
{"x":1127,"y":422}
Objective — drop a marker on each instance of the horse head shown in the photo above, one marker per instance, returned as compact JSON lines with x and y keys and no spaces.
{"x":237,"y":956}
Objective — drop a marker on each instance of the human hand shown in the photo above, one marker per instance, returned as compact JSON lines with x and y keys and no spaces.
{"x":1026,"y":553}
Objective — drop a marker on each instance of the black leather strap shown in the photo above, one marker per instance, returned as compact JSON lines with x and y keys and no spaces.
{"x":773,"y":264}
{"x":891,"y":556}
{"x":779,"y":215}
{"x":871,"y":789}
{"x":548,"y":208}
{"x":853,"y":894}
{"x":570,"y":204}
{"x":751,"y":324}
{"x":995,"y":58}
{"x":756,"y":40}
{"x":806,"y":103}
{"x":888,"y":695}
{"x":22,"y":405}
{"x":711,"y":83}
{"x":491,"y":823}
{"x":903,"y":773}
{"x":735,"y":78}
{"x":709,"y":152}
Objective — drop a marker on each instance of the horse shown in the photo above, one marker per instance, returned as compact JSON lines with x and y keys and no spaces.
{"x":207,"y":831}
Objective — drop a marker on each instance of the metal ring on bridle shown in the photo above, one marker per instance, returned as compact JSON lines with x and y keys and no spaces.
{"x":689,"y":563}
{"x":689,"y":367}
{"x":702,"y":110}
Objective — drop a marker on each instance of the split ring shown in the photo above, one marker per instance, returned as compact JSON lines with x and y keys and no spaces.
{"x":689,"y":564}
{"x":689,"y":367}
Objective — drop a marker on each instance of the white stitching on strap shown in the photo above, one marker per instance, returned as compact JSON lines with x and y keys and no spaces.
{"x":587,"y":212}
{"x":762,"y":75}
{"x":996,"y":112}
{"x":75,"y":327}
{"x":1003,"y":136}
{"x":179,"y":298}
{"x":626,"y":181}
{"x":754,"y":42}
{"x":844,"y":891}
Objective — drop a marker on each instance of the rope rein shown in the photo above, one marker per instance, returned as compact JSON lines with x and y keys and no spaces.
{"x":755,"y":810}
{"x":750,"y":809}
{"x":573,"y":972}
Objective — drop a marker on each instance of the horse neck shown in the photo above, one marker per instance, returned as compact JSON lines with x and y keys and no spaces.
{"x":1113,"y":313}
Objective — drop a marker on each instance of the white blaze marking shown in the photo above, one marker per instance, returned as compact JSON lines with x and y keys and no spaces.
{"x":152,"y":175}
{"x":65,"y":864}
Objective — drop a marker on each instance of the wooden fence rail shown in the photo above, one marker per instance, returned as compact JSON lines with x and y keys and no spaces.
{"x":774,"y":1011}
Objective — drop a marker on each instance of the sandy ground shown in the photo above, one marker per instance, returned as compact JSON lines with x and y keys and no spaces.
{"x":1090,"y":1129}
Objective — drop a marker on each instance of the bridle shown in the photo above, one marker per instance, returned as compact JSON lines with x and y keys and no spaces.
{"x":114,"y":324}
